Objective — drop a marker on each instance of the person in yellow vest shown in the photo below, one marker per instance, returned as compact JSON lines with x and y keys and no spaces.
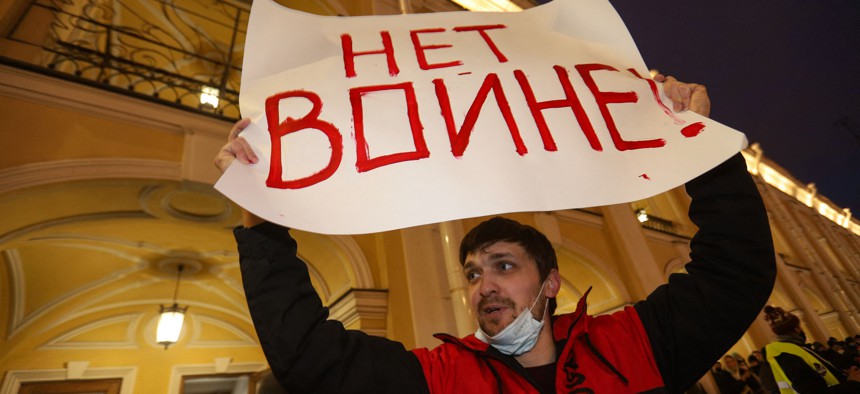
{"x":795,"y":367}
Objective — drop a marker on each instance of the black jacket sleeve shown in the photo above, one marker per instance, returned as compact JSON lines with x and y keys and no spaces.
{"x":307,"y":352}
{"x":696,"y":317}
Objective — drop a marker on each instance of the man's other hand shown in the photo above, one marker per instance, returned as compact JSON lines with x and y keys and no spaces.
{"x":236,"y":148}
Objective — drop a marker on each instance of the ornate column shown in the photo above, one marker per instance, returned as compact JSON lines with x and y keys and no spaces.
{"x":824,"y":279}
{"x":427,"y":283}
{"x":637,"y":265}
{"x":450,"y":234}
{"x":362,"y":309}
{"x":830,"y":247}
{"x":788,"y":280}
{"x":832,"y":276}
{"x":842,"y":246}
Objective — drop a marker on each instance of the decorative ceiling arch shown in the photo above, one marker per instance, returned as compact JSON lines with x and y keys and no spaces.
{"x":77,"y":338}
{"x":44,"y":173}
{"x":18,"y":318}
{"x":360,"y":270}
{"x":335,"y":262}
{"x":203,"y":336}
{"x":674,"y":266}
{"x":81,"y":244}
{"x":608,"y":291}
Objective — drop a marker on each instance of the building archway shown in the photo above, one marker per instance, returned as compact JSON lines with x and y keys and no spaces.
{"x":581,"y":269}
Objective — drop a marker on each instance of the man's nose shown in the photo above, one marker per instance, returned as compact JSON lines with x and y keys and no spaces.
{"x":488,"y":285}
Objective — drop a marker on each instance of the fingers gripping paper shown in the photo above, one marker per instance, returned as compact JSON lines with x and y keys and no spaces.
{"x":367,"y":124}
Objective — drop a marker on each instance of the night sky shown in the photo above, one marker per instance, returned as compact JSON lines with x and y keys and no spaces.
{"x":786,"y":73}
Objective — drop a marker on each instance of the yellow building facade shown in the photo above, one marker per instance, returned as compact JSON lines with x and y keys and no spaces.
{"x":106,"y":188}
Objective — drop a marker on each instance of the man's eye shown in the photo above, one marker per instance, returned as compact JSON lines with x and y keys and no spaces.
{"x":505,"y":266}
{"x":472,"y":275}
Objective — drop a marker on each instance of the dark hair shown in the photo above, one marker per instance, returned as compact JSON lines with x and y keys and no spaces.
{"x":499,"y":229}
{"x":780,"y":321}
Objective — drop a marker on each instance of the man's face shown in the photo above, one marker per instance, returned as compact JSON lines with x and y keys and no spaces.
{"x":758,"y":355}
{"x":731,"y":363}
{"x":503,"y":281}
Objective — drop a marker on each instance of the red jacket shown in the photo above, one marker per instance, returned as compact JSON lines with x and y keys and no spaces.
{"x":606,"y":354}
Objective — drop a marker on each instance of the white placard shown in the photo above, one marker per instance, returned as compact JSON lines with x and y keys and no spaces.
{"x":367,"y":124}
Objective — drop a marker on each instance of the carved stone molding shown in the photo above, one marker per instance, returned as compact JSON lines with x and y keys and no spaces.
{"x":362,"y":309}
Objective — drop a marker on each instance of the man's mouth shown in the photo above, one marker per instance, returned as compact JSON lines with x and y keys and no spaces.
{"x":493,"y":310}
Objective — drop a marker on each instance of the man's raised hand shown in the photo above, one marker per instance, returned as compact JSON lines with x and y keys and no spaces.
{"x":686,"y":96}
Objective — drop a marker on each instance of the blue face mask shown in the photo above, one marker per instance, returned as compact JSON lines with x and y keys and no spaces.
{"x":521,"y":335}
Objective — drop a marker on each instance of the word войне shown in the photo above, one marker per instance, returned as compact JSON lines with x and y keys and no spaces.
{"x":459,"y":138}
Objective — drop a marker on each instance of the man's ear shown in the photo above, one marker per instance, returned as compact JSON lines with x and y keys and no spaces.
{"x":553,"y":284}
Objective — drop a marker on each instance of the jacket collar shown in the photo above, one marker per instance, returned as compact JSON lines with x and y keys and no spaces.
{"x":563,"y":325}
{"x":469,"y":342}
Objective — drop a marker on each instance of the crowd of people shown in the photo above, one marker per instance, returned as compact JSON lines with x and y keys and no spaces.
{"x":794,"y":366}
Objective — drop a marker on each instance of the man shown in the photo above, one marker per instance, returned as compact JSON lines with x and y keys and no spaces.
{"x":754,"y":361}
{"x":662,"y":344}
{"x":796,"y":368}
{"x":735,"y":379}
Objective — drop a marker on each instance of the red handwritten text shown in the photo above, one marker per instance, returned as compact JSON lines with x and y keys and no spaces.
{"x":458,"y":136}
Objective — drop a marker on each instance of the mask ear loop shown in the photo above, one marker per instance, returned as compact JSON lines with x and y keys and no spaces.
{"x":546,"y":300}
